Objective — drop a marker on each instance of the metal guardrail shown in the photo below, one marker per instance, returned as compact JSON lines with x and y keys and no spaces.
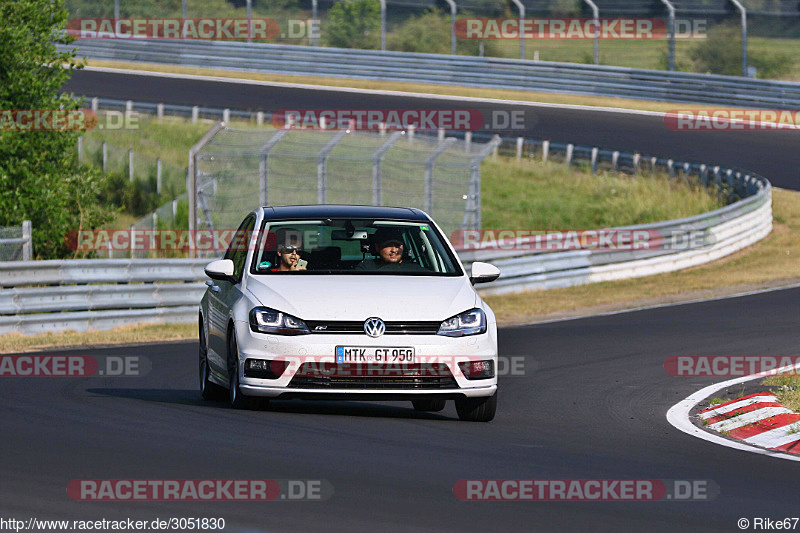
{"x":498,"y":73}
{"x":13,"y":248}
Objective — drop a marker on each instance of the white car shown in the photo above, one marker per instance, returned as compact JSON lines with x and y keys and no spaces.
{"x":355,"y":302}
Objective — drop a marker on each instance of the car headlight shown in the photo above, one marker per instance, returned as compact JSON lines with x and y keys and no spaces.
{"x":472,"y":322}
{"x":266,"y":320}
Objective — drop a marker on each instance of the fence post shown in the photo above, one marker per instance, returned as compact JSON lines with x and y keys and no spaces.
{"x":105,"y":156}
{"x":226,"y":115}
{"x":128,"y":107}
{"x":191,"y":177}
{"x":80,"y":148}
{"x":468,"y":141}
{"x":545,"y":151}
{"x":570,"y":149}
{"x":671,"y":168}
{"x":440,"y":135}
{"x":431,"y":159}
{"x":130,"y":165}
{"x":158,"y":175}
{"x":160,"y":111}
{"x":195,"y":113}
{"x":95,"y":104}
{"x":263,"y":166}
{"x":473,"y":207}
{"x":27,"y":234}
{"x":411,"y":130}
{"x":595,"y":151}
{"x":322,"y":166}
{"x":615,"y":159}
{"x":636,"y":162}
{"x":520,"y":144}
{"x":260,"y":118}
{"x":377,"y":187}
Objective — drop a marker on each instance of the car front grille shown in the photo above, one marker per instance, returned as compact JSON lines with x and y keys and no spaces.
{"x":357,"y":327}
{"x":373,"y":376}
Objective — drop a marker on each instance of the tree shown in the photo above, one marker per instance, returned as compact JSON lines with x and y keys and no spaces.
{"x":354,"y":24}
{"x":40,"y":179}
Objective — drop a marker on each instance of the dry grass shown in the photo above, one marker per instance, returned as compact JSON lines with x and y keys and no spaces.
{"x":143,"y":333}
{"x":788,"y":392}
{"x":770,"y":262}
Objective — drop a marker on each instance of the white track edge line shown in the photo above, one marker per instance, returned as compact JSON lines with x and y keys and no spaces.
{"x":678,"y":417}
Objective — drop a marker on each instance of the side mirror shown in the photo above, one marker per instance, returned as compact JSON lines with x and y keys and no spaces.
{"x":483,"y":273}
{"x":221,"y":270}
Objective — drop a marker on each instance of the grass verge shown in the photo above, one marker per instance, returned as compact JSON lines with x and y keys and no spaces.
{"x":787,"y":389}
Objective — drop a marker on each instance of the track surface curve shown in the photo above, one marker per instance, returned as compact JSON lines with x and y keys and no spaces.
{"x":591,"y":404}
{"x":773,"y":154}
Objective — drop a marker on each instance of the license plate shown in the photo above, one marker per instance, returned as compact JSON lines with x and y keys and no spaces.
{"x":371,"y":354}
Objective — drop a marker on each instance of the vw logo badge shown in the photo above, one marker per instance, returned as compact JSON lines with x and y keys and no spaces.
{"x":374,"y":327}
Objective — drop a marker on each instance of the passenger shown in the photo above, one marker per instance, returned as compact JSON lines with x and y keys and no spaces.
{"x":388,"y":244}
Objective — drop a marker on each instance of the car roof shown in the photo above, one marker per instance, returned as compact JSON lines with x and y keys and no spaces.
{"x":293,"y":212}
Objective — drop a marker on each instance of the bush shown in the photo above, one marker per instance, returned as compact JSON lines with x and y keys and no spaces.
{"x":353,"y":24}
{"x":721,"y":53}
{"x":430,"y":33}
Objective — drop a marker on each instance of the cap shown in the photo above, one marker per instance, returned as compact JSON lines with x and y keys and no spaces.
{"x":386,"y":236}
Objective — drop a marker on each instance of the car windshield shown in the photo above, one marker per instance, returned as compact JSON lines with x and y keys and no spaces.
{"x":353,"y":246}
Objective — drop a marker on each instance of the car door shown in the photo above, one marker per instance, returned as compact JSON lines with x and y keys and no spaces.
{"x":224,"y":294}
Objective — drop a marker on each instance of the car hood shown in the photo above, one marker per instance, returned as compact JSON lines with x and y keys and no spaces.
{"x":361,"y":297}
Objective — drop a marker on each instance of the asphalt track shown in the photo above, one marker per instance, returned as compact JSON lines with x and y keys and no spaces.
{"x":590,"y":405}
{"x":773,"y":154}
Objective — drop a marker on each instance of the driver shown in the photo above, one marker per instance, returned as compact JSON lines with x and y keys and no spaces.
{"x":388,"y":243}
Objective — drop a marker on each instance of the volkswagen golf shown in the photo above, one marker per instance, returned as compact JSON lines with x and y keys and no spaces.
{"x":347,"y":302}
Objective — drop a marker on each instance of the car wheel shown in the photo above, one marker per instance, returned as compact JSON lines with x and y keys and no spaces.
{"x":235,"y":396}
{"x":477,"y":409}
{"x":208,"y":389}
{"x":429,"y":404}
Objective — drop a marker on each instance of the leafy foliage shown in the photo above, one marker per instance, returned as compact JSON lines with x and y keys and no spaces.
{"x":354,"y":24}
{"x":721,"y":53}
{"x":40,"y":179}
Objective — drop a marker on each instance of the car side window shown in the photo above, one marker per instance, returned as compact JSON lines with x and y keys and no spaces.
{"x":237,"y":251}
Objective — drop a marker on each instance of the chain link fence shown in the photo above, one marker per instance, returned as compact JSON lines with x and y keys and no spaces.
{"x":239,"y":170}
{"x":16,"y":242}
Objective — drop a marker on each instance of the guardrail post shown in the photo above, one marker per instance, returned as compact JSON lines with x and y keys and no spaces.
{"x":545,"y":150}
{"x":158,"y":175}
{"x":95,"y":104}
{"x":226,"y":115}
{"x":439,"y":150}
{"x":174,"y":210}
{"x":130,"y":165}
{"x":105,"y":156}
{"x":615,"y":160}
{"x":27,"y":246}
{"x":263,"y":166}
{"x":636,"y":163}
{"x":568,"y":157}
{"x":128,"y":107}
{"x":80,"y":148}
{"x":671,"y":168}
{"x":440,"y":134}
{"x":382,"y":129}
{"x":704,"y":175}
{"x":260,"y":118}
{"x":411,"y":130}
{"x":322,"y":166}
{"x":520,"y":143}
{"x":377,"y":186}
{"x":468,"y":141}
{"x":160,"y":111}
{"x":653,"y":163}
{"x":595,"y":151}
{"x":195,"y":113}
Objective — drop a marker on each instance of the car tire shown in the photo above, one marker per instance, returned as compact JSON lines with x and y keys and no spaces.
{"x":235,"y":396}
{"x":432,"y":405}
{"x":208,"y":389}
{"x":477,"y":409}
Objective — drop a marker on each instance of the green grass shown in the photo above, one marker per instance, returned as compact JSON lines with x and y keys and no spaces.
{"x":788,"y":391}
